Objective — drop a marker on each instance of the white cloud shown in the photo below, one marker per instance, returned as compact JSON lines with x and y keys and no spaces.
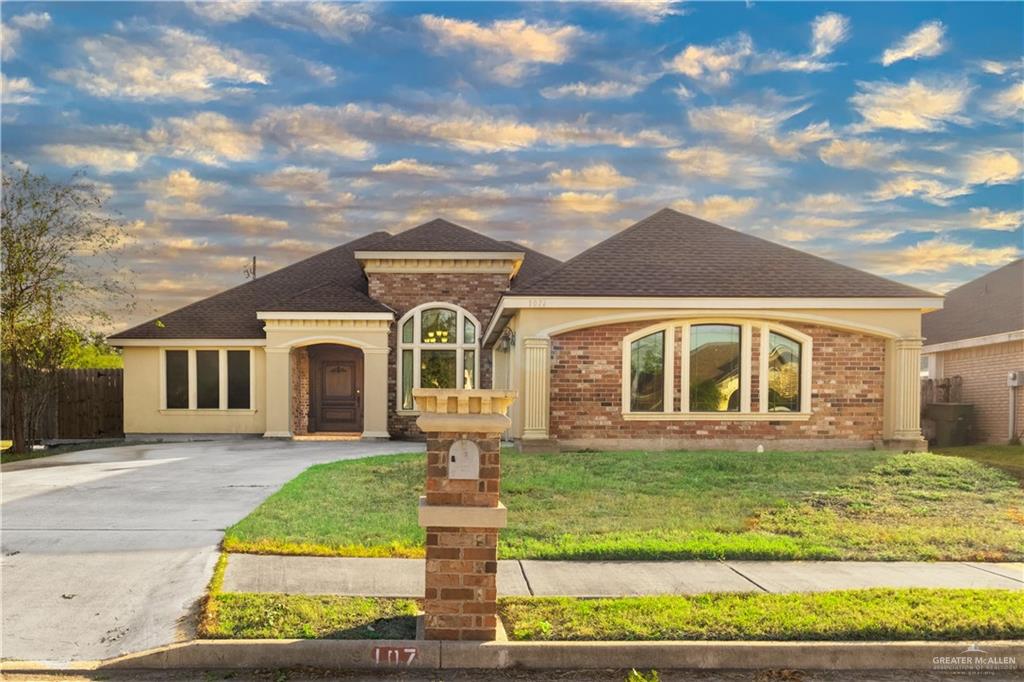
{"x":718,"y":206}
{"x":207,"y":137}
{"x":992,"y":167}
{"x":180,"y":195}
{"x":17,"y":90}
{"x":914,"y":106}
{"x":987,"y":219}
{"x":926,"y":41}
{"x":485,"y":170}
{"x":581,"y":133}
{"x":927,"y":189}
{"x":333,"y":21}
{"x":311,"y":128}
{"x":295,"y":180}
{"x":939,"y":255}
{"x":507,"y":48}
{"x":163,"y":63}
{"x":410,"y":167}
{"x":828,"y":202}
{"x":718,"y":164}
{"x":714,"y":64}
{"x":254,"y":224}
{"x":749,"y":124}
{"x":607,"y":89}
{"x":103,"y":159}
{"x":650,"y":11}
{"x":827,"y":32}
{"x":1007,"y":103}
{"x":594,"y":176}
{"x":586,"y":202}
{"x":857,"y":153}
{"x":10,"y":33}
{"x":873,"y":236}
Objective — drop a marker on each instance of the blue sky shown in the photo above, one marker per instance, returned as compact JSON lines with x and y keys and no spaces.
{"x":887,"y":136}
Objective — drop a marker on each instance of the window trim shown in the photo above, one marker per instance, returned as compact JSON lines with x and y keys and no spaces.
{"x":222,"y":370}
{"x":417,"y":345}
{"x":680,"y":352}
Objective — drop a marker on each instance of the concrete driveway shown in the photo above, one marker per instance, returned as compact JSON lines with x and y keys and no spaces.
{"x":108,"y":551}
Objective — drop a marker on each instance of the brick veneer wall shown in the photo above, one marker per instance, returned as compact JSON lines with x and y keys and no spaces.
{"x":983,"y":373}
{"x":847,"y":391}
{"x":460,"y":597}
{"x":299,"y":358}
{"x":476,"y":292}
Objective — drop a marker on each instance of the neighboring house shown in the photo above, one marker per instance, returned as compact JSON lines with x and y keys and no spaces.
{"x":675,"y":332}
{"x":979,"y":336}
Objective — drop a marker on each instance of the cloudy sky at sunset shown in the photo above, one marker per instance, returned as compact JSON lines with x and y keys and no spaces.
{"x":886,"y":136}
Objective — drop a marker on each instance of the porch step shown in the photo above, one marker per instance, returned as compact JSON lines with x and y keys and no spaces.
{"x":329,"y":435}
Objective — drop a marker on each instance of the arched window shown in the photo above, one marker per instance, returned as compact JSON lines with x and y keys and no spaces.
{"x":438,"y":347}
{"x":784,"y":377}
{"x":647,"y":373}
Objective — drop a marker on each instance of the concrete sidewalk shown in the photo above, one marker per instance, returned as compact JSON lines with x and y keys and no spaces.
{"x":404,"y":577}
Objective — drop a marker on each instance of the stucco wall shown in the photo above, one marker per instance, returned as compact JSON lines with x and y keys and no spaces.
{"x":847,"y":391}
{"x":142,"y":413}
{"x":476,"y":292}
{"x":983,"y":372}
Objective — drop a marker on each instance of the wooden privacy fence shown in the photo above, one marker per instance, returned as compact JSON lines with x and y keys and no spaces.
{"x":86,"y":403}
{"x":945,"y":390}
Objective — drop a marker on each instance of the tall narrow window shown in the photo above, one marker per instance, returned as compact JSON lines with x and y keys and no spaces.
{"x":207,"y":379}
{"x":176,"y":378}
{"x":238,"y":380}
{"x":438,"y":347}
{"x":714,"y":368}
{"x":647,"y":373}
{"x":783,"y":374}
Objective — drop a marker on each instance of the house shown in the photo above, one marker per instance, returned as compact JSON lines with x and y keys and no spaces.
{"x":979,"y":336}
{"x":675,"y":332}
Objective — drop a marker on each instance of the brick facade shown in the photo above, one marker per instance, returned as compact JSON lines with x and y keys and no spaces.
{"x":982,"y":370}
{"x":476,"y":292}
{"x":460,"y":598}
{"x":847,"y":391}
{"x":300,"y":390}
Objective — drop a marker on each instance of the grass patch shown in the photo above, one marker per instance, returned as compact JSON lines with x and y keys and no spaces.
{"x":871,"y":615}
{"x":665,"y":505}
{"x":238,"y":615}
{"x":1009,"y":458}
{"x":866,"y":615}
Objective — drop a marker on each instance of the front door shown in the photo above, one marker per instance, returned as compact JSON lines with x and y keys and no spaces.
{"x":336,"y":389}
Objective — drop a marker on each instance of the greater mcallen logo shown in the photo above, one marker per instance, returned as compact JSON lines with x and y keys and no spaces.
{"x":974,"y":659}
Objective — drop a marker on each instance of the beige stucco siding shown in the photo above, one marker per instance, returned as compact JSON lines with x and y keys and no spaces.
{"x":142,"y":413}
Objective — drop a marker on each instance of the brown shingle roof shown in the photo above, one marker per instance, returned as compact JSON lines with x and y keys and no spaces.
{"x":674,"y":254}
{"x":232,"y":314}
{"x":535,"y":265}
{"x":991,"y":304}
{"x":329,"y":297}
{"x":441,"y":235}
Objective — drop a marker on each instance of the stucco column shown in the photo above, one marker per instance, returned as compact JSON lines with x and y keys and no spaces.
{"x":278,"y":393}
{"x":906,"y":393}
{"x":375,"y":393}
{"x":536,"y":382}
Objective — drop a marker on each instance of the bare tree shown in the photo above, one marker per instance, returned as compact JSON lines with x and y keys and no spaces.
{"x":60,"y":278}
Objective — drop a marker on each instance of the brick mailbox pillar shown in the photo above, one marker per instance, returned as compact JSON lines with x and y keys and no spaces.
{"x":461,"y":511}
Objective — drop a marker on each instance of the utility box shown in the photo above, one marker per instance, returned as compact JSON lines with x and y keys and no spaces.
{"x":951,"y":423}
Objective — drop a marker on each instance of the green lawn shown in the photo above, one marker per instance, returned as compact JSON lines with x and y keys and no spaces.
{"x":1009,"y":458}
{"x":887,"y":615}
{"x":676,"y":505}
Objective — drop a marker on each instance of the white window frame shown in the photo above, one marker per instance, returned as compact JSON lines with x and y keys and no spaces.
{"x":222,"y":368}
{"x":680,"y":354}
{"x":418,"y":345}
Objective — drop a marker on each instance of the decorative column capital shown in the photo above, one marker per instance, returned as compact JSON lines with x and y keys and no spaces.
{"x":908,"y":342}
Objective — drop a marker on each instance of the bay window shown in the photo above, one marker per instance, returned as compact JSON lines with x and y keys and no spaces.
{"x":437,"y":348}
{"x":715,"y":352}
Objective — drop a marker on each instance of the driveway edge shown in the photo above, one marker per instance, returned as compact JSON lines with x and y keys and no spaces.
{"x":952,"y":656}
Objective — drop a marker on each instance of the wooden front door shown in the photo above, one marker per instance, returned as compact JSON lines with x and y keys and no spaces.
{"x":336,"y":389}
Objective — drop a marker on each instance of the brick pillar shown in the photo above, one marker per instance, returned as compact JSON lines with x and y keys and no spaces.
{"x":461,"y":510}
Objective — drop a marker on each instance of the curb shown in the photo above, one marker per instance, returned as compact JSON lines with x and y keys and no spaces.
{"x":246,"y":654}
